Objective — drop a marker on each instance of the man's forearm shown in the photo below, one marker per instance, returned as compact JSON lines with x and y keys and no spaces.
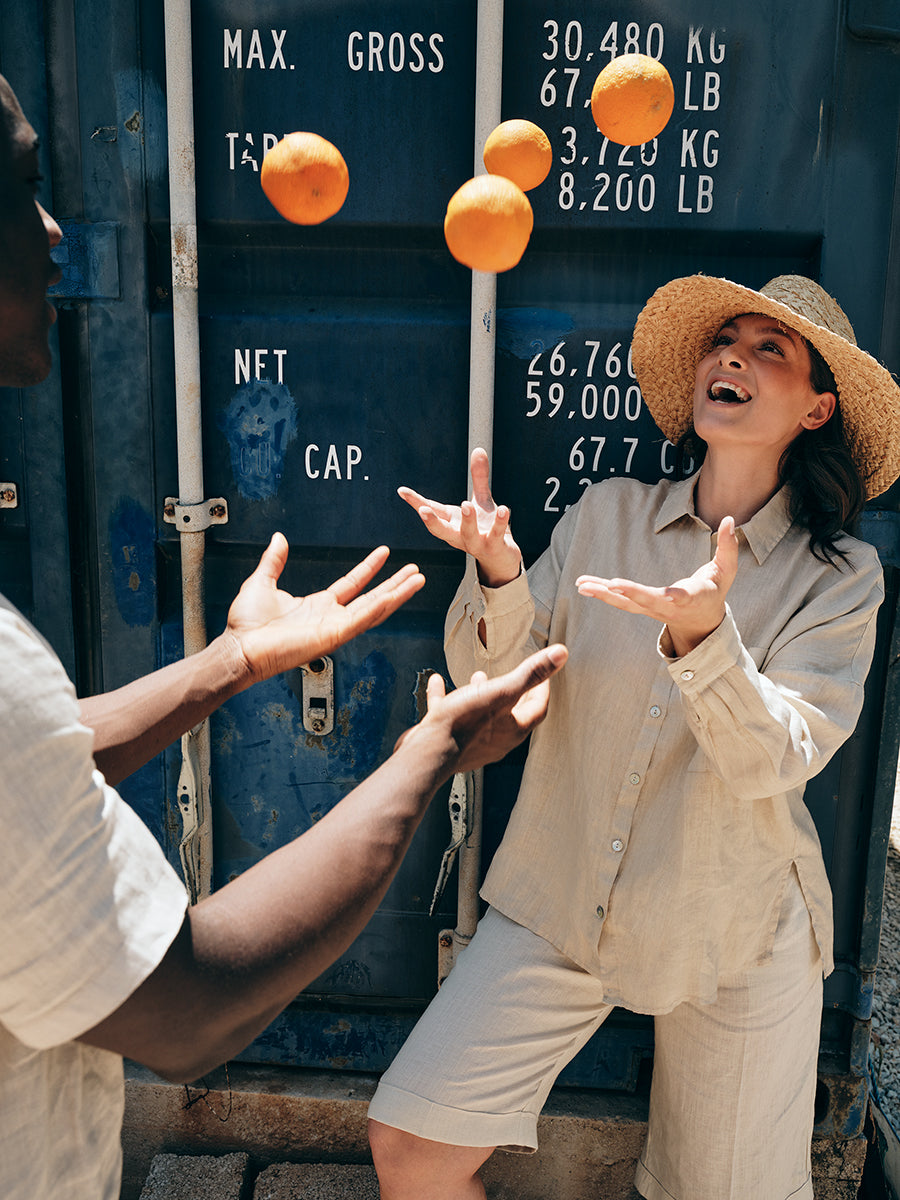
{"x":134,"y":723}
{"x":246,"y":951}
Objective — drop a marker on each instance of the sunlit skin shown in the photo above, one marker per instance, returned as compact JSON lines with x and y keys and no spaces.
{"x":752,"y":398}
{"x":27,"y":235}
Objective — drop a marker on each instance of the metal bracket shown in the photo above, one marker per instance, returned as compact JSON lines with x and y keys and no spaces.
{"x":194,"y":518}
{"x":317,"y":696}
{"x":9,"y":495}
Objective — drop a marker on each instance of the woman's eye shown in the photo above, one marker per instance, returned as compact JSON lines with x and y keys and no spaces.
{"x":773,"y":346}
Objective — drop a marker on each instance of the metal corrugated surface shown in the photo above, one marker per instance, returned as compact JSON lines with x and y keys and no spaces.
{"x":334,"y":367}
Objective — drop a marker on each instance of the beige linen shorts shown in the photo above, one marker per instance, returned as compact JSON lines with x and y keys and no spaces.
{"x":731,"y":1105}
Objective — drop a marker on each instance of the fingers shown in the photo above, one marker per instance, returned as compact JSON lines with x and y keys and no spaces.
{"x":480,"y":468}
{"x":726,"y":556}
{"x":361,"y":576}
{"x":419,"y":502}
{"x":434,"y":688}
{"x":528,"y":674}
{"x":272,"y":561}
{"x":533,"y":677}
{"x":622,"y":593}
{"x":376,"y":606}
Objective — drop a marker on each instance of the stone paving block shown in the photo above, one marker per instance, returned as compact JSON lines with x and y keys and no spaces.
{"x":196,"y":1177}
{"x":316,"y":1181}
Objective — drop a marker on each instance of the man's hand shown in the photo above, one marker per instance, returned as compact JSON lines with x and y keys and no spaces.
{"x":275,"y":631}
{"x":489,"y":717}
{"x":477,"y":526}
{"x":245,"y":952}
{"x":691,"y":608}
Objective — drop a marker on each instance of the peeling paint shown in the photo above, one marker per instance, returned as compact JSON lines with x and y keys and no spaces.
{"x":132,"y":552}
{"x":524,"y":332}
{"x":259,"y":423}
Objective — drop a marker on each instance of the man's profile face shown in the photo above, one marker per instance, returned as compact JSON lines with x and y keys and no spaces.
{"x":27,"y":234}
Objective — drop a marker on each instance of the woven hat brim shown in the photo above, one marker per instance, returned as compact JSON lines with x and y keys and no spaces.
{"x":676,"y":328}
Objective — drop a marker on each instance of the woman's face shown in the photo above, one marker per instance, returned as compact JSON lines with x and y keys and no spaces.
{"x":753,"y":388}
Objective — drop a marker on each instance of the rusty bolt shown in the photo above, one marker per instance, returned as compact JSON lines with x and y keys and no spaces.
{"x":318,"y":725}
{"x":8,"y":495}
{"x":217,"y":510}
{"x":446,"y":940}
{"x":169,"y":510}
{"x":317,"y":666}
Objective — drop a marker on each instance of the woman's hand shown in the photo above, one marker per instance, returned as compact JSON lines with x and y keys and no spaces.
{"x":691,"y":608}
{"x":477,"y":526}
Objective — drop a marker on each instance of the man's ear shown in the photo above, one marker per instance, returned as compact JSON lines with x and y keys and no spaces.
{"x":821,"y":411}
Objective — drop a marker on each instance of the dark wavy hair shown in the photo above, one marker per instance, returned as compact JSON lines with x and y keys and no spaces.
{"x":827,"y":493}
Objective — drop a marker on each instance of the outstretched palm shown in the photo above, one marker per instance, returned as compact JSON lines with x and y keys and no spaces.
{"x":276,"y":631}
{"x":478,"y":526}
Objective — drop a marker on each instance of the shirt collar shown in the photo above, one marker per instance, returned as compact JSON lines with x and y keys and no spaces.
{"x":762,"y":532}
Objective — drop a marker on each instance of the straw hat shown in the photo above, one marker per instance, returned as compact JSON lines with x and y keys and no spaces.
{"x":676,"y":328}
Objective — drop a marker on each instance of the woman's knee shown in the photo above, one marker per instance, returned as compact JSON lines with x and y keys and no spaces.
{"x":401,"y":1155}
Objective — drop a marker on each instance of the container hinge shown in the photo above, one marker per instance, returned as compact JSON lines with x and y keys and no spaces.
{"x":460,"y":805}
{"x":194,"y":518}
{"x":317,"y":696}
{"x":9,"y":495}
{"x":190,"y":804}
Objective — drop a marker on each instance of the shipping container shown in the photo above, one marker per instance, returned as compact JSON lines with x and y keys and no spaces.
{"x":334,"y":366}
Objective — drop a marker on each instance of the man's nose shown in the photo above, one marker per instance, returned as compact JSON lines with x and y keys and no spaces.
{"x":54,"y":233}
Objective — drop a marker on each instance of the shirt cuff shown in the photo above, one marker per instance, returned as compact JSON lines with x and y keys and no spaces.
{"x":716,"y":654}
{"x":503,"y":600}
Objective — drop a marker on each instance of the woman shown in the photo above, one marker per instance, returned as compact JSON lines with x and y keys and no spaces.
{"x":660,"y":856}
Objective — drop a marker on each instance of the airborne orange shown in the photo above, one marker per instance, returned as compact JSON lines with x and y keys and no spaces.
{"x":632,"y":99}
{"x":305,"y":178}
{"x":488,"y":223}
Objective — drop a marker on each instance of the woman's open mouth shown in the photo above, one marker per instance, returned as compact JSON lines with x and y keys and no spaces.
{"x":727,"y":393}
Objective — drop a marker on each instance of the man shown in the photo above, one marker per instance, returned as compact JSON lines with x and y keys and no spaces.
{"x":100,"y":956}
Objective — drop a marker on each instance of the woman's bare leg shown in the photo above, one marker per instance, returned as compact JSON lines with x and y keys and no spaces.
{"x":414,"y":1168}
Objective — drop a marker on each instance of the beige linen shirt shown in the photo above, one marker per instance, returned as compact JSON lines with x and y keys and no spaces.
{"x":661,"y":806}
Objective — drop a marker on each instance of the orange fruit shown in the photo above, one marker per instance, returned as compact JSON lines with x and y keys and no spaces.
{"x":305,"y":177}
{"x":488,"y":223}
{"x":632,"y":99}
{"x":520,"y":150}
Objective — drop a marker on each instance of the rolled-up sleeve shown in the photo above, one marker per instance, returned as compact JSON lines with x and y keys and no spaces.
{"x":769,"y":727}
{"x":508,"y":616}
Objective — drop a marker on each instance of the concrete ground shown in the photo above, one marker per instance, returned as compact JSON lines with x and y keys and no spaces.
{"x":270,"y":1133}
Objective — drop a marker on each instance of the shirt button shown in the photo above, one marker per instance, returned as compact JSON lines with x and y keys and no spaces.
{"x":655,"y":710}
{"x":600,"y":913}
{"x":687,"y":675}
{"x":618,"y":845}
{"x":634,"y":778}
